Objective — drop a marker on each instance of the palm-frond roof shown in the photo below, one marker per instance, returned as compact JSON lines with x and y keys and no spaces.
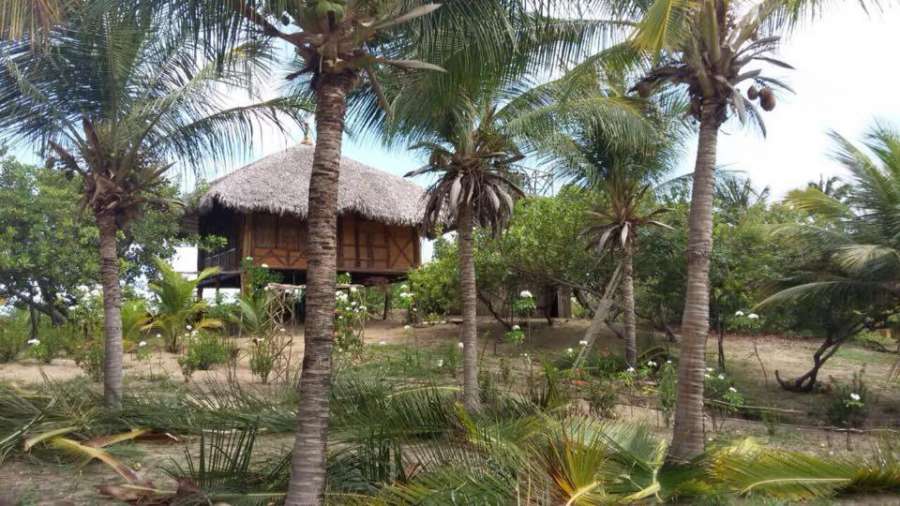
{"x":279,"y":184}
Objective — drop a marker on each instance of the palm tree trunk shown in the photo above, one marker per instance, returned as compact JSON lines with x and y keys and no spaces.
{"x":628,"y":302}
{"x":112,"y":310}
{"x":307,"y":486}
{"x":469,"y":296}
{"x":687,"y":441}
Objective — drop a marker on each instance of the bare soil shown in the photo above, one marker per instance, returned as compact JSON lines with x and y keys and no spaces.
{"x":42,"y":479}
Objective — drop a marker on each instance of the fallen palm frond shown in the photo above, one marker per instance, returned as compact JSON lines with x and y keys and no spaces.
{"x":89,"y":453}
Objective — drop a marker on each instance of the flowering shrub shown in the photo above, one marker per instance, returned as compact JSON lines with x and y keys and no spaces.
{"x":258,"y":276}
{"x":849,"y":404}
{"x":747,"y":323}
{"x":717,"y":386}
{"x":524,"y":305}
{"x":49,"y":346}
{"x":350,"y":318}
{"x":515,"y":335}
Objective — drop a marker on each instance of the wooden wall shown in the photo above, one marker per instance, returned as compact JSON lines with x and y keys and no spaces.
{"x":363,"y":245}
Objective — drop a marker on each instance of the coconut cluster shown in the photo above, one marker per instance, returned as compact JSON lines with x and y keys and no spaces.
{"x":765,"y":95}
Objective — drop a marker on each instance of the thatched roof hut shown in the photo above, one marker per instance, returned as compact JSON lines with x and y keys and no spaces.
{"x":279,"y":184}
{"x":261,"y":211}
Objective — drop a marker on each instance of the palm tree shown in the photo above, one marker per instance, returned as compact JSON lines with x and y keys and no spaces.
{"x":474,"y":161}
{"x":704,"y":47}
{"x":111,"y":98}
{"x":853,"y":246}
{"x":176,"y":306}
{"x":622,"y":175}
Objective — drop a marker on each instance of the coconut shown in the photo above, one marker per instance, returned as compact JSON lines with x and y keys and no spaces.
{"x":752,"y":93}
{"x":767,"y":99}
{"x":643,"y":89}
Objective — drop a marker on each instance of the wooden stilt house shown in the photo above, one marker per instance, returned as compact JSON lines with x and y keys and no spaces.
{"x":261,"y":212}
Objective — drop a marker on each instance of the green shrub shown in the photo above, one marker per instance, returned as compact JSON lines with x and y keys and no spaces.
{"x":262,"y":358}
{"x":203,"y":351}
{"x":90,"y":359}
{"x":602,"y":399}
{"x":449,"y":358}
{"x":718,"y":387}
{"x":849,"y":404}
{"x":13,"y":332}
{"x":50,"y":345}
{"x":668,"y":380}
{"x":875,"y":341}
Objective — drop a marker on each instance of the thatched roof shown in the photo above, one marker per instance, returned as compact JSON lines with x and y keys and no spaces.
{"x":279,"y":184}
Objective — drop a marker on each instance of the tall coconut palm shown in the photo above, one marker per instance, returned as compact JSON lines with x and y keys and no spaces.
{"x":710,"y":49}
{"x":474,"y":162}
{"x":342,"y":46}
{"x":112,"y":98}
{"x":622,"y":176}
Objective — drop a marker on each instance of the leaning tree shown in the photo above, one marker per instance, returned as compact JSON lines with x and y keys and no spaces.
{"x":112,"y":95}
{"x":849,"y":277}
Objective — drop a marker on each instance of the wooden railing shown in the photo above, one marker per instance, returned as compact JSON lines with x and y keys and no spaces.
{"x":226,"y":260}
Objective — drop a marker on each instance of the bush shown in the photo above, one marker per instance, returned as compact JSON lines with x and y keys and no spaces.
{"x":202,"y":352}
{"x":718,"y":387}
{"x":668,"y":380}
{"x":262,"y":358}
{"x":90,"y":359}
{"x":50,"y":345}
{"x":875,"y":341}
{"x":849,"y":404}
{"x":13,"y":329}
{"x":602,"y":399}
{"x":351,"y":314}
{"x":435,"y":285}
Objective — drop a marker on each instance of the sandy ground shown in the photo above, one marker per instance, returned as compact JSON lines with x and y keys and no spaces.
{"x":42,"y":481}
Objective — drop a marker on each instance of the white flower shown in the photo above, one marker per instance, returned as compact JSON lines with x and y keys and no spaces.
{"x":249,"y":259}
{"x":738,"y":313}
{"x":407,"y":327}
{"x":461,"y":345}
{"x":188,"y":327}
{"x":353,"y":289}
{"x":525,"y":294}
{"x":753,"y":316}
{"x":516,"y":327}
{"x":158,"y":335}
{"x":721,"y":376}
{"x":732,"y":390}
{"x":33,"y":342}
{"x":570,"y":351}
{"x":404,"y":287}
{"x":583,"y":342}
{"x":630,"y":369}
{"x":282,"y":329}
{"x":440,"y":362}
{"x":524,"y":355}
{"x":381,"y":343}
{"x":668,"y":361}
{"x":651,"y":363}
{"x":855,"y":396}
{"x":265,"y":266}
{"x":362,"y":308}
{"x":707,"y":376}
{"x":709,"y":369}
{"x":142,"y":344}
